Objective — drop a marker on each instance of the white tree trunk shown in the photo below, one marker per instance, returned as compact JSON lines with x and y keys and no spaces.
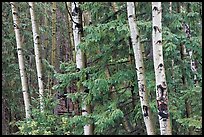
{"x":139,"y":68}
{"x":194,"y":66}
{"x":170,"y":7}
{"x":161,"y":85}
{"x":80,"y":58}
{"x":38,"y":60}
{"x":20,"y":59}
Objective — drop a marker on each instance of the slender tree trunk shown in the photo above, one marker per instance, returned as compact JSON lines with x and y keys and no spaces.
{"x":139,"y":68}
{"x":5,"y":116}
{"x":20,"y":59}
{"x":38,"y":59}
{"x":54,"y":37}
{"x":115,"y":7}
{"x":172,"y":61}
{"x":70,"y":32}
{"x":161,"y":85}
{"x":193,"y":63}
{"x":54,"y":50}
{"x":46,"y":45}
{"x":80,"y":56}
{"x":46,"y":33}
{"x":170,"y":7}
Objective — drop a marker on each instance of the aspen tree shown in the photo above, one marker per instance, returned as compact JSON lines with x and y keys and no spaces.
{"x":80,"y":57}
{"x":143,"y":93}
{"x":38,"y":59}
{"x":193,"y":63}
{"x":20,"y":59}
{"x":161,"y":85}
{"x":170,"y":7}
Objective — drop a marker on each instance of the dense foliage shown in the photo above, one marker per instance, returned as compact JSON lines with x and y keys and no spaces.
{"x":107,"y":45}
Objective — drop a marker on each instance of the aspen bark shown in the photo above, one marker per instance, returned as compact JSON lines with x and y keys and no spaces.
{"x":38,"y":59}
{"x":20,"y":59}
{"x":170,"y":7}
{"x":139,"y":68}
{"x":80,"y":56}
{"x":161,"y":85}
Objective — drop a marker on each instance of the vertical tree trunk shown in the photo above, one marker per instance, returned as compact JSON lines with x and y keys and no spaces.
{"x":20,"y":59}
{"x":170,"y":7}
{"x":54,"y":50}
{"x":193,"y":63}
{"x":115,"y":7}
{"x":46,"y":33}
{"x":80,"y":57}
{"x":46,"y":46}
{"x":38,"y":59}
{"x":139,"y":68}
{"x":161,"y":85}
{"x":54,"y":37}
{"x":5,"y":117}
{"x":70,"y":32}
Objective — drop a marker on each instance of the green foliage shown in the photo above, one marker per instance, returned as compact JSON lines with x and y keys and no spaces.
{"x":106,"y":45}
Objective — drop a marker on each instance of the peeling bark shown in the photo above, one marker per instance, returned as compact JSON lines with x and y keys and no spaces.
{"x":161,"y":85}
{"x":143,"y":93}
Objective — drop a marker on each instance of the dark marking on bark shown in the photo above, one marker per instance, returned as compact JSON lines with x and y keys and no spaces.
{"x":137,"y":37}
{"x":77,"y":69}
{"x":142,"y":88}
{"x":164,"y":84}
{"x":15,"y":26}
{"x":157,"y":28}
{"x":15,"y":13}
{"x":160,"y":90}
{"x":136,"y":69}
{"x":160,"y":65}
{"x":37,"y":37}
{"x":159,"y":42}
{"x":145,"y":110}
{"x":79,"y":26}
{"x":155,"y":8}
{"x":162,"y":107}
{"x":141,"y":97}
{"x":19,"y":48}
{"x":83,"y":110}
{"x":164,"y":115}
{"x":130,"y":16}
{"x":75,"y":11}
